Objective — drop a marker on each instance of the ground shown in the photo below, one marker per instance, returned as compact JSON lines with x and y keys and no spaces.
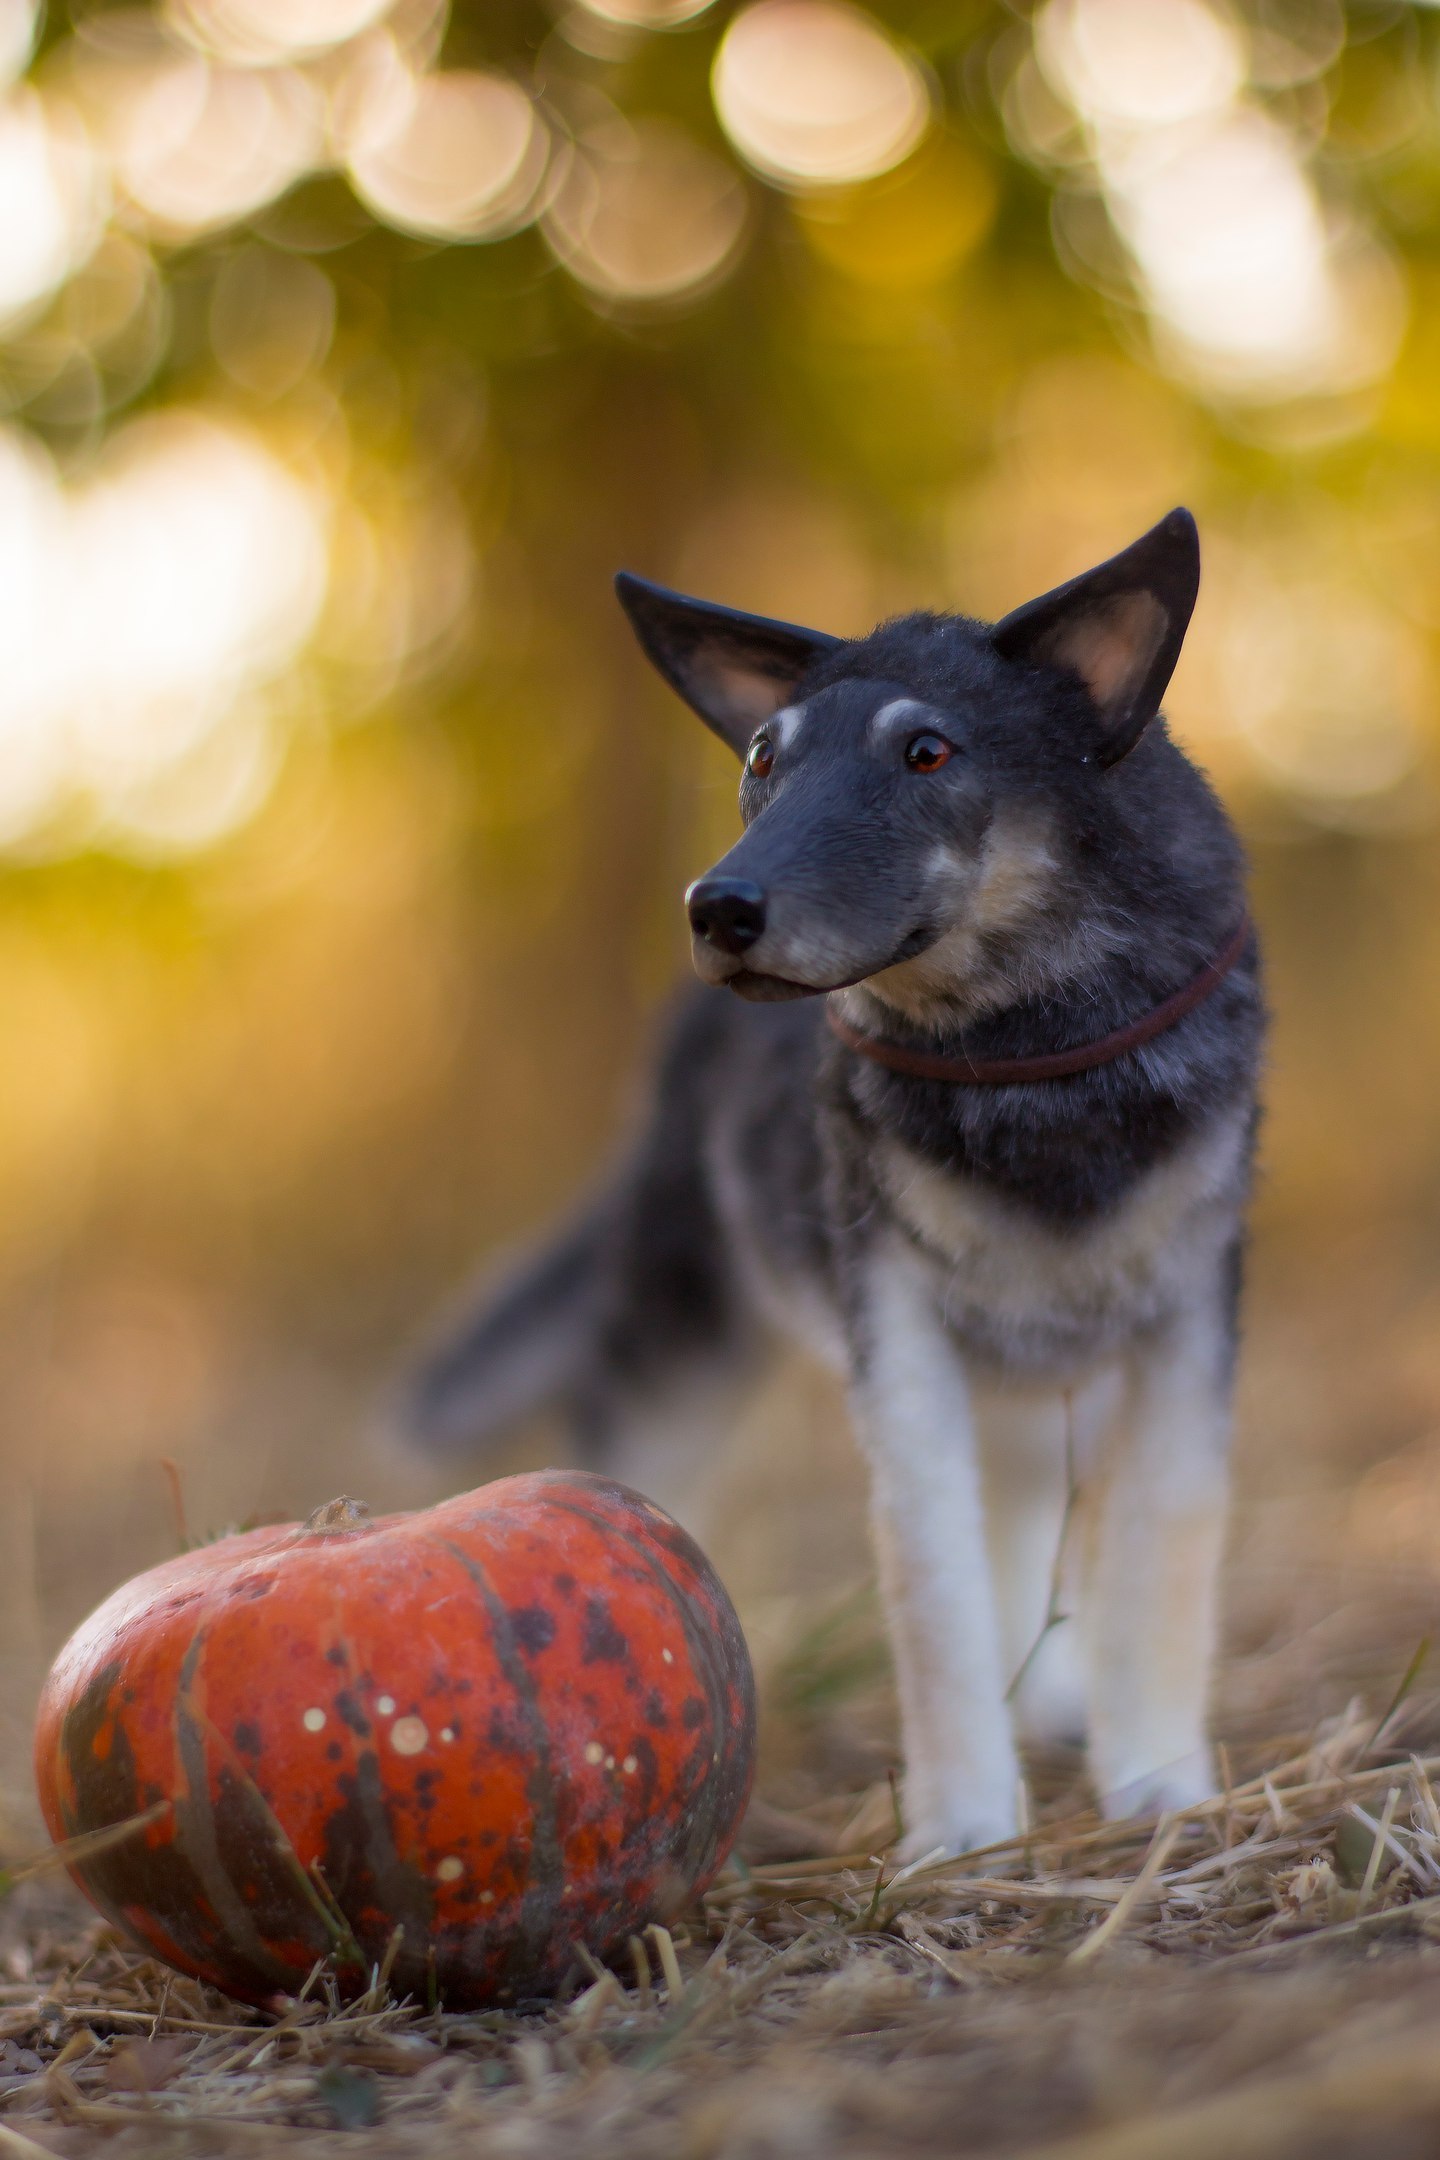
{"x":1260,"y":1977}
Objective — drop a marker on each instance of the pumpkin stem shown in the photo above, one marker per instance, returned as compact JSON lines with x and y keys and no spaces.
{"x":344,"y":1513}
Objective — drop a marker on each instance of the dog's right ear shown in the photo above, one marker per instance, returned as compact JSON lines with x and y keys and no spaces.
{"x":1118,"y":627}
{"x":735,"y":670}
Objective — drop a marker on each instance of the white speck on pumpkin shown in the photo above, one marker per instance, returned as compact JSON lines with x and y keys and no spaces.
{"x":450,"y":1869}
{"x":314,"y":1721}
{"x":594,"y":1753}
{"x":487,"y":1897}
{"x":409,"y":1734}
{"x":385,"y":1704}
{"x":609,"y":1762}
{"x":669,"y":1656}
{"x":630,"y":1766}
{"x":447,"y":1733}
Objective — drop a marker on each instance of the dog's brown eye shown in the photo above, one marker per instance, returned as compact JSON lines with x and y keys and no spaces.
{"x":927,"y":753}
{"x":761,"y":758}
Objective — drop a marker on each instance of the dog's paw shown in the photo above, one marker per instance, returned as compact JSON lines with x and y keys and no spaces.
{"x":949,"y":1833}
{"x":1173,"y":1787}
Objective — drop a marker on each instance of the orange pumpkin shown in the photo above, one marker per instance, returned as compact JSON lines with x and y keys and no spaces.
{"x":516,"y":1722}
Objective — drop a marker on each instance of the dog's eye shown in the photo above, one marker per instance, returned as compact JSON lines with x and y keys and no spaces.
{"x":927,"y":753}
{"x":761,"y":758}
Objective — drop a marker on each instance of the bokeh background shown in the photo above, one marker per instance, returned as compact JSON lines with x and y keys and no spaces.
{"x":346,"y":348}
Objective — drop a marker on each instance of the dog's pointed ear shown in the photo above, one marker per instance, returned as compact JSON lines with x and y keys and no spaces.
{"x":735,"y":670}
{"x":1118,"y":627}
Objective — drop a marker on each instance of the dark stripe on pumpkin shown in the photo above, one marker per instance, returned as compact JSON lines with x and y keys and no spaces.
{"x":105,"y":1786}
{"x":699,"y":1642}
{"x":540,"y":1901}
{"x":365,"y":1869}
{"x":198,"y":1837}
{"x":330,"y":1934}
{"x":156,"y":1877}
{"x":721,"y":1793}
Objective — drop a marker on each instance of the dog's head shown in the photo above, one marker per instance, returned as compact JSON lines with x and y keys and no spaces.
{"x":901,"y":792}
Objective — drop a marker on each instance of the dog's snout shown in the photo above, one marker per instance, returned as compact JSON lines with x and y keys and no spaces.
{"x":729,"y":913}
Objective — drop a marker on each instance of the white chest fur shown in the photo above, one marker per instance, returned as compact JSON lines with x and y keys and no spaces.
{"x":1039,"y":1299}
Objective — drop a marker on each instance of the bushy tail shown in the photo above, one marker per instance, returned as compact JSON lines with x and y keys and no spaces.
{"x":527,"y":1349}
{"x":631,"y":1306}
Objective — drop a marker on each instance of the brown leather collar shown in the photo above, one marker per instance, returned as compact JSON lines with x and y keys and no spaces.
{"x":1052,"y":1064}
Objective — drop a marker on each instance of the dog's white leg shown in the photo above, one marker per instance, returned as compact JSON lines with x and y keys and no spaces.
{"x":1151,"y":1601}
{"x":914,"y":1414}
{"x":1023,"y":1450}
{"x":1038,"y":1444}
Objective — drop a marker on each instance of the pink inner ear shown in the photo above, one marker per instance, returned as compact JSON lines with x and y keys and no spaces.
{"x":747,"y":693}
{"x":1112,"y":649}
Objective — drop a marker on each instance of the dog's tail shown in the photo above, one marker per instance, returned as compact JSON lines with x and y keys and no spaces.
{"x":525,"y":1349}
{"x":632,"y":1309}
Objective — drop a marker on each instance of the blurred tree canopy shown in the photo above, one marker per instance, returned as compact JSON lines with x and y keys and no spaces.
{"x":407,"y":329}
{"x":348,"y":346}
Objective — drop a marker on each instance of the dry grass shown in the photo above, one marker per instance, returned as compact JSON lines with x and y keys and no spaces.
{"x":1270,"y":1991}
{"x":1259,"y":1976}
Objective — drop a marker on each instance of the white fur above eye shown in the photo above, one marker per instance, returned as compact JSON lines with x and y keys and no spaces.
{"x":898,"y":709}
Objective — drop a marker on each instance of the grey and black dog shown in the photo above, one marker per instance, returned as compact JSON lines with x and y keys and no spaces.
{"x":1002,"y":1192}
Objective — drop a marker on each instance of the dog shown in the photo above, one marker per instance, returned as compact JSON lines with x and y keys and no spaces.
{"x":976,"y":1126}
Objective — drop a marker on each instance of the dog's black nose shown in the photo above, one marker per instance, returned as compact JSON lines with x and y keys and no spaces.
{"x":728,"y":912}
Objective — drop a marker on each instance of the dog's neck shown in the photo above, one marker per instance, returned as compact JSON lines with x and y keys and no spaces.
{"x":966,"y":1069}
{"x":1007,"y":942}
{"x":1032,"y":964}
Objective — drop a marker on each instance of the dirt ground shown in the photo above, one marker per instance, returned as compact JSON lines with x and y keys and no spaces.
{"x":1260,"y":1978}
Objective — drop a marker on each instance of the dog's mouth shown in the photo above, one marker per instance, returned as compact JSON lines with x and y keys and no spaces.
{"x":758,"y":988}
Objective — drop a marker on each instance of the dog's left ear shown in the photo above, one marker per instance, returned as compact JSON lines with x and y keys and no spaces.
{"x":735,"y":670}
{"x":1118,"y":627}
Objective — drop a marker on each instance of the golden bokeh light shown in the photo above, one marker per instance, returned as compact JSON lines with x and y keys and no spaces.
{"x":1138,"y":64}
{"x":197,"y":564}
{"x":205,"y":145}
{"x":644,"y":213}
{"x":403,"y":579}
{"x":32,"y":555}
{"x":1250,"y":290}
{"x":271,"y":320}
{"x":911,"y":228}
{"x":814,"y":93}
{"x":1327,"y":689}
{"x":1086,"y":448}
{"x":205,"y":560}
{"x":52,"y":199}
{"x":370,"y":95}
{"x":117,"y":283}
{"x":1233,"y":252}
{"x":647,"y":14}
{"x":191,"y":145}
{"x":1292,"y":42}
{"x":457,"y":155}
{"x":18,"y":22}
{"x":253,"y":32}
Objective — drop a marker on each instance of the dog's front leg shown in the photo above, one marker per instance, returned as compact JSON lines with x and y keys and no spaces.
{"x":914,"y":1413}
{"x":1153,"y":1573}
